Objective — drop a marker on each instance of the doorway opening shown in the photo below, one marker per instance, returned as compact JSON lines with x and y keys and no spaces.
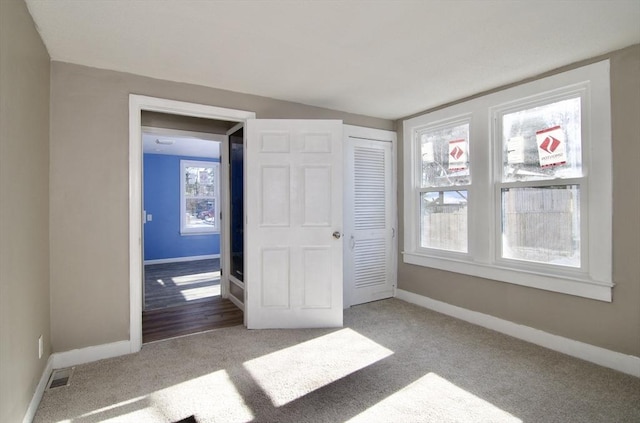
{"x":181,"y":222}
{"x":177,"y":282}
{"x":181,"y":227}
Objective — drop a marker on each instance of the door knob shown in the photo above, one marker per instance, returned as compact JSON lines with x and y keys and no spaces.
{"x":337,"y":235}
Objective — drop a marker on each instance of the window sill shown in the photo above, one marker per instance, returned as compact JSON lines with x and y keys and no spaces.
{"x":586,"y":288}
{"x":199,"y":232}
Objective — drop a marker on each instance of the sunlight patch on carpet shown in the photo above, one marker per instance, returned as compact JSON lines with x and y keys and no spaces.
{"x":433,"y":398}
{"x":293,"y":372}
{"x":135,"y":409}
{"x":213,"y":394}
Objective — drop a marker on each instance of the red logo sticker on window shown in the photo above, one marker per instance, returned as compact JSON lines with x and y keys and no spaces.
{"x":550,"y":144}
{"x":457,"y":152}
{"x":551,"y":147}
{"x":458,"y":155}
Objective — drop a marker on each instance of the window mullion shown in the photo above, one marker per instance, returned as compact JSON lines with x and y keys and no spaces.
{"x":480,"y":207}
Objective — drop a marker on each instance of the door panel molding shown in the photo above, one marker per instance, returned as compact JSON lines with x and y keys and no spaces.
{"x":299,"y":210}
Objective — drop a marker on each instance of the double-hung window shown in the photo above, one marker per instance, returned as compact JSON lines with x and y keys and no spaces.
{"x":199,"y":194}
{"x":515,"y":185}
{"x":540,"y":179}
{"x":443,"y":184}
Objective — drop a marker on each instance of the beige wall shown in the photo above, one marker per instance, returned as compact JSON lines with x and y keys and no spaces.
{"x":89,"y":191}
{"x":616,"y":325}
{"x":24,"y":208}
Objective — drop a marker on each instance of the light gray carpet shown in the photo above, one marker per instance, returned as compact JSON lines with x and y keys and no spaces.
{"x":392,"y":362}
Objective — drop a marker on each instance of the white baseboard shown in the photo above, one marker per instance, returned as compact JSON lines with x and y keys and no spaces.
{"x":69,"y":359}
{"x":628,"y":364}
{"x":37,"y":396}
{"x":180,"y":259}
{"x":89,"y":354}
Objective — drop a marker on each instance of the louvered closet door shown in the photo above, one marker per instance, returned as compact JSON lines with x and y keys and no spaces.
{"x":369,"y":248}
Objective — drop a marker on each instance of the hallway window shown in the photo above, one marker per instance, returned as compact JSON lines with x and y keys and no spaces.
{"x":199,"y":197}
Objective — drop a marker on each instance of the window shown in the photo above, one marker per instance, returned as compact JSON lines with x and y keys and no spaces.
{"x":444,"y":183}
{"x":516,"y":185}
{"x":542,"y":177}
{"x":199,"y":197}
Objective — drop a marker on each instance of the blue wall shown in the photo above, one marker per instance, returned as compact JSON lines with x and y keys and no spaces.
{"x":162,"y":237}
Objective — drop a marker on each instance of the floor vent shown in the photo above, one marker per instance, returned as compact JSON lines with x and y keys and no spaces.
{"x":60,"y":378}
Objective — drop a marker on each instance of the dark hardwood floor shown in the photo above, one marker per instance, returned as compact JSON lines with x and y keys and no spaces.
{"x":180,"y":283}
{"x":170,"y":322}
{"x":184,"y":298}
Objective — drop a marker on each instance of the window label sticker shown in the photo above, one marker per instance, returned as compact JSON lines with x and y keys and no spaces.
{"x":515,"y":150}
{"x":204,"y":177}
{"x":427,"y":153}
{"x":551,"y":147}
{"x":457,"y":155}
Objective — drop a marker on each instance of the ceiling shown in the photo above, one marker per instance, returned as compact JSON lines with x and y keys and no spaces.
{"x":384,"y":58}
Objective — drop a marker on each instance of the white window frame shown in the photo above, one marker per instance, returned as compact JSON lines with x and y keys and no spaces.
{"x":187,"y":230}
{"x":452,"y":121}
{"x":483,"y":259}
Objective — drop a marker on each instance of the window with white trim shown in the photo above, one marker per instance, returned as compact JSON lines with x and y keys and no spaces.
{"x":444,"y":184}
{"x":199,"y":197}
{"x":515,"y":185}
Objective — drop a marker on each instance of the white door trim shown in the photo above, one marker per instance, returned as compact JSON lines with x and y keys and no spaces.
{"x":138,"y":103}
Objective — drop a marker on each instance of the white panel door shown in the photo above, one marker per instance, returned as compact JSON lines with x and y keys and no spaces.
{"x":293,"y":237}
{"x":369,"y":218}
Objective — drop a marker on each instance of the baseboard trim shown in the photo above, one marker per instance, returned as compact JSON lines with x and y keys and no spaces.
{"x":89,"y":354}
{"x":180,"y":259}
{"x":628,"y":364}
{"x":37,"y":396}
